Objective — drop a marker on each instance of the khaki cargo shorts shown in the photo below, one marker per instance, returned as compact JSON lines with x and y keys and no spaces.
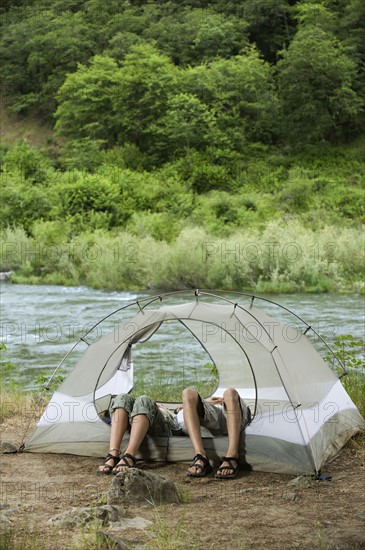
{"x":214,"y":417}
{"x":162,"y":423}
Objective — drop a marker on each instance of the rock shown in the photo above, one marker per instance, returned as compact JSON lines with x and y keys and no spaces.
{"x":290,"y":496}
{"x":81,"y":516}
{"x":6,"y":275}
{"x":6,"y":447}
{"x":130,"y":523}
{"x":135,"y":486}
{"x":302,"y":482}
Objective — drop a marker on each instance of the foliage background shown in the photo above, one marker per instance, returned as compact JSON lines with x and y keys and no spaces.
{"x":151,"y":130}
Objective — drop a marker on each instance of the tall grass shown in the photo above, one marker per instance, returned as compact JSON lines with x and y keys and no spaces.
{"x":172,"y":537}
{"x":167,"y":385}
{"x":27,"y":538}
{"x":282,"y":257}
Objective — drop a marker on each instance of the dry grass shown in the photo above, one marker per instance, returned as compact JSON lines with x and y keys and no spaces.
{"x":14,"y":128}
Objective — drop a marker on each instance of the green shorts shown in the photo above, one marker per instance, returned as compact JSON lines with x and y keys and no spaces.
{"x":162,"y":422}
{"x":214,"y":417}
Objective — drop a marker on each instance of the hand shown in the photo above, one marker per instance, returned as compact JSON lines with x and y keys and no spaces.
{"x":215,"y":400}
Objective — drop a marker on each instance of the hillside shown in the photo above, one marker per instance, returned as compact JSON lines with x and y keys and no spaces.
{"x":137,"y":129}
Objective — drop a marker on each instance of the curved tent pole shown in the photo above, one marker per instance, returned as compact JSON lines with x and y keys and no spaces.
{"x":309,"y":327}
{"x":196,"y":293}
{"x":201,"y":343}
{"x":248,"y":360}
{"x":180,"y":320}
{"x":82,"y":338}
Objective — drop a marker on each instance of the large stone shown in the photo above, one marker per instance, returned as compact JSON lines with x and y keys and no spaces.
{"x":104,"y":515}
{"x":6,"y":447}
{"x":6,"y":275}
{"x":136,"y":486}
{"x":301,"y":482}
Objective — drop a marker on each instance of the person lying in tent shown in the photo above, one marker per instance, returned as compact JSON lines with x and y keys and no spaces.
{"x":138,"y":416}
{"x":227,"y":415}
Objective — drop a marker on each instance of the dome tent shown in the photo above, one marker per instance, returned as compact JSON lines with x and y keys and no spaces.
{"x":302,"y":416}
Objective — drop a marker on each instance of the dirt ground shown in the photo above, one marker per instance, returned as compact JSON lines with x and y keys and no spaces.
{"x":255,"y":511}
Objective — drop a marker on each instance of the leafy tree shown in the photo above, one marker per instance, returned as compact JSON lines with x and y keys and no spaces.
{"x":86,"y":98}
{"x":270,"y":25}
{"x":352,"y":33}
{"x":241,"y":93}
{"x":192,"y":36}
{"x":316,"y":86}
{"x":314,"y":13}
{"x":82,"y":154}
{"x":187,"y":124}
{"x":39,"y":51}
{"x":121,"y":43}
{"x":145,"y":83}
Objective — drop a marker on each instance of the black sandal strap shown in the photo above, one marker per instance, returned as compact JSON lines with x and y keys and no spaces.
{"x":107,"y":468}
{"x":230,"y":465}
{"x":125,"y":463}
{"x":131,"y":457}
{"x":203,"y":459}
{"x":109,"y":456}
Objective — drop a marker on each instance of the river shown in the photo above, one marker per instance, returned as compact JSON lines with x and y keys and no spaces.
{"x":39,"y":324}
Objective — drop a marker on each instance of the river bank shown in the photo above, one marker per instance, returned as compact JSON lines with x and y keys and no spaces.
{"x":280,"y":257}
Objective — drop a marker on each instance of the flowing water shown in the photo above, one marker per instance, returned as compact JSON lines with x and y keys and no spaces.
{"x":39,"y":324}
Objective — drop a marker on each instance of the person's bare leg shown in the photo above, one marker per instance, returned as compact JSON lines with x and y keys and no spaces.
{"x":118,"y":428}
{"x":139,"y":428}
{"x":233,"y":417}
{"x":190,"y":399}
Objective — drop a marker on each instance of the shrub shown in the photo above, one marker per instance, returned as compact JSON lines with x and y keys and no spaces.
{"x":27,"y":163}
{"x":22,"y":203}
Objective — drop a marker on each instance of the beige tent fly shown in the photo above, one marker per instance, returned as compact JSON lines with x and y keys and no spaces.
{"x":302,"y":415}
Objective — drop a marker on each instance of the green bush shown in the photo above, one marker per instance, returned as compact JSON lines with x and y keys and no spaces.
{"x":23,"y":203}
{"x":91,"y":201}
{"x":26,"y":163}
{"x":161,"y":226}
